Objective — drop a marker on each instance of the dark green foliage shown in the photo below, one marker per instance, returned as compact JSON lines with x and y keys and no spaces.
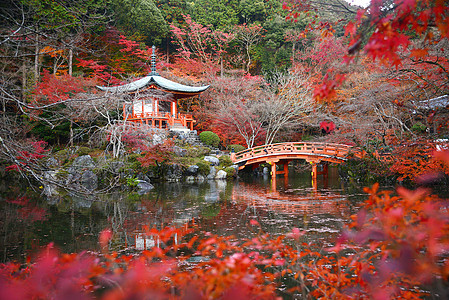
{"x":83,"y":151}
{"x":204,"y":167}
{"x":197,"y":151}
{"x":216,"y":13}
{"x":141,"y":18}
{"x":419,"y":127}
{"x":57,"y":134}
{"x":367,"y":170}
{"x":230,"y":172}
{"x":225,"y":161}
{"x":209,"y":138}
{"x":237,"y":148}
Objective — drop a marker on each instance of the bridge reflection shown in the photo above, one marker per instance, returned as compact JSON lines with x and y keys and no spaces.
{"x":227,"y":209}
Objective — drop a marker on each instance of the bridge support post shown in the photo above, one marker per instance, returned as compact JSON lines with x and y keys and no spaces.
{"x":314,"y":171}
{"x":273,"y":170}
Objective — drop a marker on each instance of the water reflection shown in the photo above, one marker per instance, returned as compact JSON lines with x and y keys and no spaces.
{"x":220,"y":207}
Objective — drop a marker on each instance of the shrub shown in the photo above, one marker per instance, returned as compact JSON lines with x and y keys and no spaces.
{"x":225,"y":161}
{"x":419,"y":127}
{"x":197,"y":151}
{"x":230,"y":172}
{"x":83,"y":151}
{"x":204,"y":167}
{"x":237,"y":148}
{"x":209,"y":138}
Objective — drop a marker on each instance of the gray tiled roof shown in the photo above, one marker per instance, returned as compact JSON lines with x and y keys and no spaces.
{"x":434,"y":103}
{"x":153,"y":80}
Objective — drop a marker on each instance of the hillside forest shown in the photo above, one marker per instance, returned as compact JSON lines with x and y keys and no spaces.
{"x":326,"y":70}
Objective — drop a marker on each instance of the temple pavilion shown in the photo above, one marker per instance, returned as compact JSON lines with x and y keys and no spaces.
{"x":154,"y":100}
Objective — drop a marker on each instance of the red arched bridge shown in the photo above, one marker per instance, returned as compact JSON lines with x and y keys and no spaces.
{"x":283,"y":153}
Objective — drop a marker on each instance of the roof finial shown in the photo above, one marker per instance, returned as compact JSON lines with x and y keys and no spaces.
{"x":153,"y":62}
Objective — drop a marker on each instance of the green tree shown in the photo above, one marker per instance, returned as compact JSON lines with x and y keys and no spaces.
{"x":220,"y":14}
{"x":141,"y":18}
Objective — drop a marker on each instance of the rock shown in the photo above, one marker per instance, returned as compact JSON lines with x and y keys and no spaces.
{"x":174,"y":173}
{"x":192,"y":170}
{"x":213,"y":160}
{"x":143,"y":177}
{"x":116,"y":166}
{"x":212,"y":173}
{"x":52,"y":163}
{"x":80,"y":163}
{"x":144,"y":187}
{"x":89,"y":180}
{"x":158,"y":138}
{"x":220,"y":175}
{"x":179,"y":151}
{"x":49,"y":188}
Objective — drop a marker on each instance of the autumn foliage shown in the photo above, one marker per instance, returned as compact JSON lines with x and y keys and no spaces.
{"x":395,"y":247}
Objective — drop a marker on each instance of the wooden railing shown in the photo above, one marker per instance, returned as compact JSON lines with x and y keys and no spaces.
{"x":166,"y":116}
{"x":338,"y":151}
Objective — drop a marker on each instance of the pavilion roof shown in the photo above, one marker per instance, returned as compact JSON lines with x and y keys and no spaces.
{"x":154,"y":80}
{"x":434,"y":103}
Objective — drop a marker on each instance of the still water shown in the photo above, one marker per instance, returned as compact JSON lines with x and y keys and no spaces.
{"x":29,"y":221}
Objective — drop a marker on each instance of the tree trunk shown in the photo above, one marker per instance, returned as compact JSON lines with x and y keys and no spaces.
{"x":36,"y":60}
{"x":71,"y":133}
{"x":70,"y":61}
{"x":24,"y":81}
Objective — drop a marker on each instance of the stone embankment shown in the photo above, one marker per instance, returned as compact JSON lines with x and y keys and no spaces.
{"x":90,"y":174}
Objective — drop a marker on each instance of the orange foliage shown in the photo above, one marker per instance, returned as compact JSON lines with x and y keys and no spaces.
{"x":414,"y":159}
{"x":393,"y":249}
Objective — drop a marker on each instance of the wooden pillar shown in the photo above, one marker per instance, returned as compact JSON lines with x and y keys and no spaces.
{"x":314,"y":171}
{"x":173,"y":108}
{"x":143,"y":107}
{"x":273,"y":170}
{"x":273,"y":184}
{"x":325,"y":170}
{"x":286,"y":168}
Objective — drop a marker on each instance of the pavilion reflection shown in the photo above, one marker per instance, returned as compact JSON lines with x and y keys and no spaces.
{"x":226,"y":209}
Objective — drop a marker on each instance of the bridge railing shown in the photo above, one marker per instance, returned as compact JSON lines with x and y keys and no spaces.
{"x":329,"y":149}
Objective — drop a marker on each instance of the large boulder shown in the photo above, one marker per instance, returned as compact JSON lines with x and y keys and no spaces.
{"x":116,"y":166}
{"x":81,"y":163}
{"x":179,"y":151}
{"x":192,"y":170}
{"x":174,"y":173}
{"x":144,"y":187}
{"x":214,"y":161}
{"x":220,"y":175}
{"x":89,"y":180}
{"x":212,"y":173}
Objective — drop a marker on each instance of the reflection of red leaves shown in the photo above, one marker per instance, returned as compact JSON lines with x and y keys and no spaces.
{"x":28,"y":211}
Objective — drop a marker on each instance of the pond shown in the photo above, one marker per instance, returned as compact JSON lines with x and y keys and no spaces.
{"x":73,"y":223}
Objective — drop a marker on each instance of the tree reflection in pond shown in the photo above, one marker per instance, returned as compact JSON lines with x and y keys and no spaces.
{"x":220,"y":207}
